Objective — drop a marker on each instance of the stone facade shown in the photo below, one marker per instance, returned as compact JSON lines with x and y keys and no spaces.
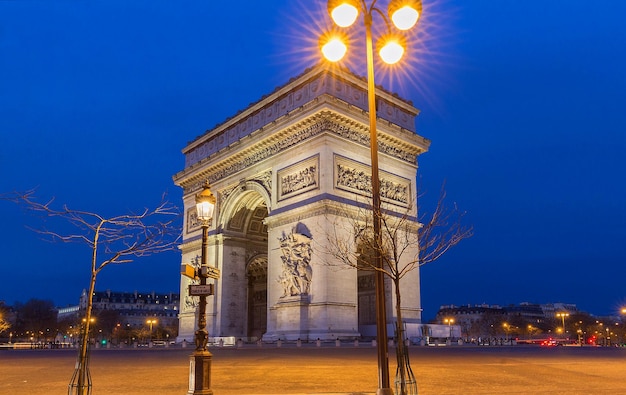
{"x":134,"y":308}
{"x":281,"y":171}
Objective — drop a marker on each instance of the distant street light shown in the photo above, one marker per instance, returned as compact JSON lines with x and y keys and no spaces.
{"x":563,"y":315}
{"x":449,"y":321}
{"x":530,"y":330}
{"x":151,"y":322}
{"x":506,"y":327}
{"x":623,"y":312}
{"x":200,"y":369}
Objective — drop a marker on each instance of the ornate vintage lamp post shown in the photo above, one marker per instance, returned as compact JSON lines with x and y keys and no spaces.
{"x":200,"y":366}
{"x":404,"y":15}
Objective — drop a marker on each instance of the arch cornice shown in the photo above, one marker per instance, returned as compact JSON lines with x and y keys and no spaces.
{"x":394,"y":142}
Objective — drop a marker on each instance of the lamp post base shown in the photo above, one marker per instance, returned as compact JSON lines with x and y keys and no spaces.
{"x":200,"y":373}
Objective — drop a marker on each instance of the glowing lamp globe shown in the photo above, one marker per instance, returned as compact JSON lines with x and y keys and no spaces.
{"x":334,"y":50}
{"x":405,"y":13}
{"x":391,"y":48}
{"x":343,"y":12}
{"x":205,"y":204}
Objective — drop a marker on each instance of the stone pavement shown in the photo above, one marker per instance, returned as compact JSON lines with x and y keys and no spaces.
{"x":326,"y":370}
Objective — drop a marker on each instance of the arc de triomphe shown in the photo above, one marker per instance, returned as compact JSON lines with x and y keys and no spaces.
{"x":277,"y":168}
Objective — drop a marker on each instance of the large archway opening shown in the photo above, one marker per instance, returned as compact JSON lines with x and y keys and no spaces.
{"x":366,"y":286}
{"x":256,"y":272}
{"x":245,"y":241}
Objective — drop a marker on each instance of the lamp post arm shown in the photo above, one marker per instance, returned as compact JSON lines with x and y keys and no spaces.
{"x":382,"y":15}
{"x":371,"y":7}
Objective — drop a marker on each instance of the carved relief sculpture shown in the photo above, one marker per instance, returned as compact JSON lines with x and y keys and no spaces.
{"x":296,"y":264}
{"x":357,"y":178}
{"x":298,"y":178}
{"x":193,"y":223}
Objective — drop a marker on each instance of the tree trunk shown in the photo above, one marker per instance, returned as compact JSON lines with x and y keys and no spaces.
{"x":81,"y":379}
{"x":405,"y":379}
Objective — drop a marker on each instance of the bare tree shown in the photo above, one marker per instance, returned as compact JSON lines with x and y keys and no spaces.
{"x":4,"y":322}
{"x":4,"y":325}
{"x":406,"y":243}
{"x":112,"y":240}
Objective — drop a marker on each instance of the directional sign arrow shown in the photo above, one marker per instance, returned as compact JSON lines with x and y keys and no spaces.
{"x":210,"y":272}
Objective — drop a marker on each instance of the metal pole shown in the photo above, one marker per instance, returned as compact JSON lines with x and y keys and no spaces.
{"x":381,"y":311}
{"x":200,"y":364}
{"x":202,"y":336}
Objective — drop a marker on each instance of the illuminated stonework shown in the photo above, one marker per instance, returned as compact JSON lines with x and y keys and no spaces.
{"x":296,"y":273}
{"x":356,"y":177}
{"x":279,"y":169}
{"x":298,"y":178}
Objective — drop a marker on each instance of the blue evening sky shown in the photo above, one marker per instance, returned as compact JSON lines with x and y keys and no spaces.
{"x":524,"y":101}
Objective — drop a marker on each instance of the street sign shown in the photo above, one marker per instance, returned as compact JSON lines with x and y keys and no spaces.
{"x":202,"y":289}
{"x":188,"y":271}
{"x":210,"y":272}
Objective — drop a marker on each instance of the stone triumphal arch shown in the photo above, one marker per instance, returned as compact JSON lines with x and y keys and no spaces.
{"x":279,"y":169}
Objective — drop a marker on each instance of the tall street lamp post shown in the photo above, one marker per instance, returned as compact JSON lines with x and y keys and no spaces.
{"x":563,"y":315}
{"x":200,"y":364}
{"x":449,"y":321}
{"x":506,"y":327}
{"x":404,"y":15}
{"x":151,"y":322}
{"x":623,"y":312}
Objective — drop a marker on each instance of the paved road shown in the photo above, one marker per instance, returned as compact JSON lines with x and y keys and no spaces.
{"x":310,"y":370}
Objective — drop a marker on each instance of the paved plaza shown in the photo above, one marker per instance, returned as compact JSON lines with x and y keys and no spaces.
{"x":312,"y":370}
